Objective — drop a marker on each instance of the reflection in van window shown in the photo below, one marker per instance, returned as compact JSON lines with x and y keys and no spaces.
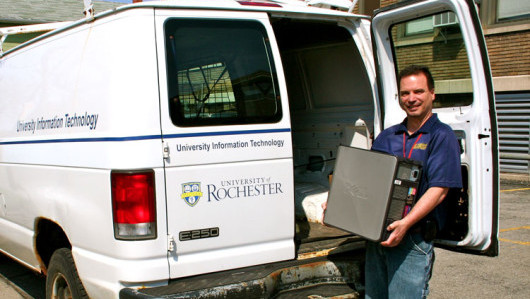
{"x":220,"y":73}
{"x":436,"y":41}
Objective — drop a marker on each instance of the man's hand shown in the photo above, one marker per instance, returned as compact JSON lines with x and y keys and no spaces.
{"x":399,"y":230}
{"x":429,"y":200}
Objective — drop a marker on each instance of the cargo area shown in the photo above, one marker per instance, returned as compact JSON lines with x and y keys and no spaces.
{"x":330,"y":103}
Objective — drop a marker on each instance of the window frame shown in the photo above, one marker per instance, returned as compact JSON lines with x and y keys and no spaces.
{"x":173,"y":73}
{"x":459,"y":99}
{"x":488,"y":16}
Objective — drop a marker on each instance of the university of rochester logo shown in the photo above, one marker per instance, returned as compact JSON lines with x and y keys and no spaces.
{"x":191,"y":193}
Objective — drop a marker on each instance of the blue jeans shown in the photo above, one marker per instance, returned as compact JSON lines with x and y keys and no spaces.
{"x":399,"y":272}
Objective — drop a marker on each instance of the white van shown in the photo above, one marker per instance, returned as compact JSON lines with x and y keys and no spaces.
{"x":159,"y":149}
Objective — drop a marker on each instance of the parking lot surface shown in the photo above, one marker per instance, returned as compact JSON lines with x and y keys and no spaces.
{"x":458,"y":275}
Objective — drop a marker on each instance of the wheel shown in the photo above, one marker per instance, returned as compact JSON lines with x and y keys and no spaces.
{"x":62,"y":280}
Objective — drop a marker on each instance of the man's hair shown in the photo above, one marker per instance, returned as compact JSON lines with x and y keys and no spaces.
{"x":416,"y":70}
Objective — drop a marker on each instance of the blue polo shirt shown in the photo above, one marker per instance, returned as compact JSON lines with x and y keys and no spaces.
{"x":436,"y":146}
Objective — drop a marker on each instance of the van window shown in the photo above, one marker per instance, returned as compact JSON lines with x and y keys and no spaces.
{"x":220,"y":73}
{"x":323,"y":67}
{"x":436,"y":41}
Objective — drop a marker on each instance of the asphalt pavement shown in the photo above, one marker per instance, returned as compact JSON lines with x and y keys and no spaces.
{"x":19,"y":282}
{"x":10,"y":290}
{"x":456,"y":275}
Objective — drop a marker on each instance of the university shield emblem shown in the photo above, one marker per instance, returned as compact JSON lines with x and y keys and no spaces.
{"x":191,"y":193}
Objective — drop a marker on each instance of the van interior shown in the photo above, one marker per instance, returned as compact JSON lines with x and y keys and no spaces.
{"x":331,"y":104}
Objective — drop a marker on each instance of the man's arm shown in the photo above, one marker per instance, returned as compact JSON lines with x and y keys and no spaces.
{"x":430,"y":199}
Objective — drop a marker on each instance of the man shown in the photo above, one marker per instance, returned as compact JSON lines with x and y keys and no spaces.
{"x":401,"y":266}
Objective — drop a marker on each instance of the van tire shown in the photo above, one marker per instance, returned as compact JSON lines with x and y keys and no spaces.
{"x":62,"y":280}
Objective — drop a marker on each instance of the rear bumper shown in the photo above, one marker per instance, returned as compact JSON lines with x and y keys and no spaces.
{"x":337,"y":273}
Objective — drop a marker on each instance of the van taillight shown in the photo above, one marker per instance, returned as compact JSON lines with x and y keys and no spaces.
{"x":133,"y":205}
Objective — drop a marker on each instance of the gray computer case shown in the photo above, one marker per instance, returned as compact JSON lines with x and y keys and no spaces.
{"x":369,"y":190}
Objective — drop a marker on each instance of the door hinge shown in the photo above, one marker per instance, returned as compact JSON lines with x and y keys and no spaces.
{"x":165,"y":151}
{"x":170,"y":243}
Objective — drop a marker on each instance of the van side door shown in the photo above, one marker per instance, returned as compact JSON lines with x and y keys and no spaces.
{"x":227,"y":141}
{"x":446,"y":36}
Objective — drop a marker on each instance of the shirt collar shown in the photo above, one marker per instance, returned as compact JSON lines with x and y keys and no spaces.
{"x":426,"y":128}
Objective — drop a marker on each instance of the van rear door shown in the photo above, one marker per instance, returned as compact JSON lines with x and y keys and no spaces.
{"x":446,"y":36}
{"x":227,"y":142}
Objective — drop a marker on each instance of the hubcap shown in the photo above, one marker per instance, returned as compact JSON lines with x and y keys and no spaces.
{"x":60,"y":287}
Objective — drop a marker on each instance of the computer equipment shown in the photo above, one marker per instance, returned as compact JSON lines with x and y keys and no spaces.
{"x":370,"y":190}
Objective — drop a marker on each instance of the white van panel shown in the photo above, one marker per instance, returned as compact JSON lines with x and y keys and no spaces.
{"x":17,"y":242}
{"x":242,"y":174}
{"x":114,"y":87}
{"x":85,"y":214}
{"x":251,"y":206}
{"x":106,"y":72}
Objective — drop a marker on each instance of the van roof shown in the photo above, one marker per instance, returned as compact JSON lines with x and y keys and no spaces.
{"x":309,"y":7}
{"x":294,"y":6}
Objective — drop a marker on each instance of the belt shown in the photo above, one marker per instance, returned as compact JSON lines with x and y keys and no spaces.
{"x":427,"y":229}
{"x":416,"y":229}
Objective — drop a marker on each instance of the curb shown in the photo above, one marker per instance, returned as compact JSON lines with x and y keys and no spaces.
{"x":515,"y":178}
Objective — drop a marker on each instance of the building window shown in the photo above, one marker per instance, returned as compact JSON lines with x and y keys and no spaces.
{"x":500,"y":13}
{"x":423,"y":25}
{"x":510,"y":10}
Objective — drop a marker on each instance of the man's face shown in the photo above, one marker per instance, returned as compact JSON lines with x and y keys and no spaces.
{"x":415,"y":97}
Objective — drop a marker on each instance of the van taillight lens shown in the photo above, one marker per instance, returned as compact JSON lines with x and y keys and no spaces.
{"x":133,"y":205}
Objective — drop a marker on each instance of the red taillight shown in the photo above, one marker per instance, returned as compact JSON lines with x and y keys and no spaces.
{"x":133,"y":205}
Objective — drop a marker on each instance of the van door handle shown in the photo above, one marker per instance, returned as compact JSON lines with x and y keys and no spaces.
{"x":480,"y":136}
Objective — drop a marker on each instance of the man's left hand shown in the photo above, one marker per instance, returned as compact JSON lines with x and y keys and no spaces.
{"x":399,"y":230}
